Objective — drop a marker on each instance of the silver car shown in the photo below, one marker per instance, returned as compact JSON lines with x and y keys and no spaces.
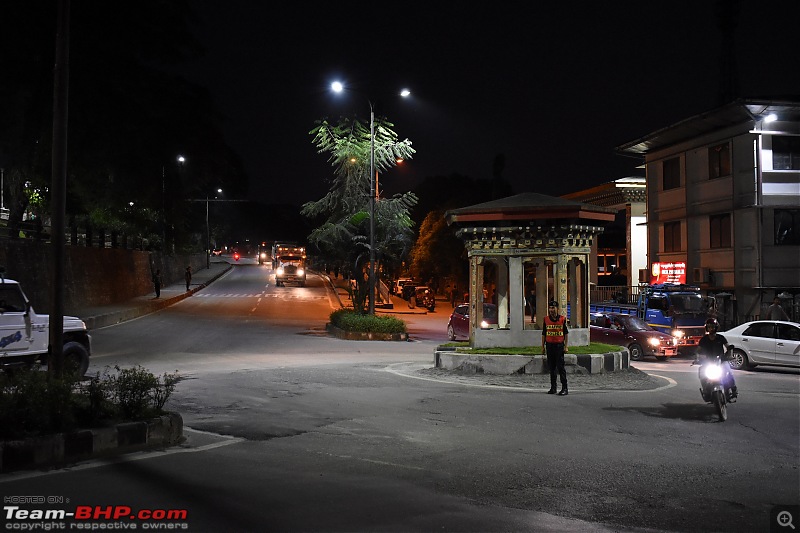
{"x":764,"y":342}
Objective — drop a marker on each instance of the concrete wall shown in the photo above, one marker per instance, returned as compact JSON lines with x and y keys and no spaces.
{"x":92,"y":276}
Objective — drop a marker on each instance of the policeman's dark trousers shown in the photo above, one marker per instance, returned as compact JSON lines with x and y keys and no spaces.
{"x":555,"y":362}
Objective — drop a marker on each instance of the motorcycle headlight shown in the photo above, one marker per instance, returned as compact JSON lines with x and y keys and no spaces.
{"x":713,"y":372}
{"x":677,"y":333}
{"x":654,"y":341}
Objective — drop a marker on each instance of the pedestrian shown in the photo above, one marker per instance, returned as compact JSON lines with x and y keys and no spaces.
{"x":531,"y":301}
{"x":775,"y":311}
{"x":554,"y":345}
{"x":188,"y":276}
{"x":454,"y":295}
{"x":157,"y":282}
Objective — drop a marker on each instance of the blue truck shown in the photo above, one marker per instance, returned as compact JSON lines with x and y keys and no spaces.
{"x":678,"y":310}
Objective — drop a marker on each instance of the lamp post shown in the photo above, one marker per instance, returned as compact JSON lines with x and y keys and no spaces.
{"x":208,"y":233}
{"x":338,"y":87}
{"x":181,"y":160}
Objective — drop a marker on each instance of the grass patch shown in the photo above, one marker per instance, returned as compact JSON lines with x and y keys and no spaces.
{"x":349,"y":320}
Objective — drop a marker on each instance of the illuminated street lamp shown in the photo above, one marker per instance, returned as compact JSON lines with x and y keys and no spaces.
{"x":338,"y":87}
{"x":208,"y":233}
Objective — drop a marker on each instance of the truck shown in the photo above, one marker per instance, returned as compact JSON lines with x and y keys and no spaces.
{"x":290,"y":264}
{"x":25,"y":334}
{"x":676,"y":309}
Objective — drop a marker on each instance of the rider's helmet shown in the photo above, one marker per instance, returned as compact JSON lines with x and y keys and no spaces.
{"x":712,"y":323}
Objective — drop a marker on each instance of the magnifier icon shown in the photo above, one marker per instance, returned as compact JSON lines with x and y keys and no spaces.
{"x":785,"y":519}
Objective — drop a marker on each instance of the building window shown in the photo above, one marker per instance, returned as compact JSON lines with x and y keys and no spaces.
{"x":785,"y":152}
{"x":672,"y":236}
{"x":720,"y":230}
{"x":719,"y":161}
{"x":787,"y":227}
{"x":672,"y":173}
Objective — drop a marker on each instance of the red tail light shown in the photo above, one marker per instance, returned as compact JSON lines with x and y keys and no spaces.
{"x":236,"y":256}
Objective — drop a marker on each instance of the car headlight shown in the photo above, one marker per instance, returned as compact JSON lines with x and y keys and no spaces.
{"x":654,"y":341}
{"x":299,"y":271}
{"x":713,"y":372}
{"x":677,"y":333}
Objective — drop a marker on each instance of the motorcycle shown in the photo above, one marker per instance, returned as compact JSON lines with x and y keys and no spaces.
{"x":713,"y":389}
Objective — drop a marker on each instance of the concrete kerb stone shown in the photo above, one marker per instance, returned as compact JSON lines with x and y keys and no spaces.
{"x":501,"y":364}
{"x":65,"y":448}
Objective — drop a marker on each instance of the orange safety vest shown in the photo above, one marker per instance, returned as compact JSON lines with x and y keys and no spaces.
{"x":554,"y":330}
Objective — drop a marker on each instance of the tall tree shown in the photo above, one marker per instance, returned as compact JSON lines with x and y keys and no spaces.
{"x":344,"y":233}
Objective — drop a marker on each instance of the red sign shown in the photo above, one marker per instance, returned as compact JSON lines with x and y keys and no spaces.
{"x":668,"y":273}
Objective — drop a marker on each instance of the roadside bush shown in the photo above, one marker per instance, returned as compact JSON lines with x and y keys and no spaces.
{"x":349,"y":320}
{"x":33,"y":405}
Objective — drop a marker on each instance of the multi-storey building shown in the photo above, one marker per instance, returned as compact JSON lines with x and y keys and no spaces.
{"x":723,"y":196}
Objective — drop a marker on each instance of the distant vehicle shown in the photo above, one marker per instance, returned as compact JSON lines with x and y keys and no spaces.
{"x":216,"y":252}
{"x":423,"y":297}
{"x":397,"y":286}
{"x":264,"y":253}
{"x":236,"y":256}
{"x":764,"y":342}
{"x":458,"y":323}
{"x":633,"y":333}
{"x":291,"y":264}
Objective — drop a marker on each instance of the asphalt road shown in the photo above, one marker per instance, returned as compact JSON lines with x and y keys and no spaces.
{"x":289,"y":429}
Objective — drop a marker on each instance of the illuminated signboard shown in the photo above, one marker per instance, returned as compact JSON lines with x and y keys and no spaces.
{"x":668,"y":273}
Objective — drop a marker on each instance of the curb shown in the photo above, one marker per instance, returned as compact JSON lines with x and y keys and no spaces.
{"x":66,"y":448}
{"x":364,"y":336}
{"x":147,"y":307}
{"x":449,"y":359}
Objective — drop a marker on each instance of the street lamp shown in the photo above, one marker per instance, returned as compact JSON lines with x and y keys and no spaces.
{"x":181,"y":160}
{"x":338,"y":87}
{"x":208,"y":233}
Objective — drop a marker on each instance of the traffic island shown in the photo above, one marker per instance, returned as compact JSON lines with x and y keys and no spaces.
{"x":66,"y":448}
{"x":364,"y":335}
{"x":502,"y":364}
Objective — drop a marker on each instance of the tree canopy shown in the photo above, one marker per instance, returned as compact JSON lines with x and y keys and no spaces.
{"x":344,"y":211}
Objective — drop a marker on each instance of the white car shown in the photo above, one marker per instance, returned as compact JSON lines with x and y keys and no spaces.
{"x":764,"y":342}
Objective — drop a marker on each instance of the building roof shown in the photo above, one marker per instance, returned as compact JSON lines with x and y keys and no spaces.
{"x":526,"y":207}
{"x":744,"y":111}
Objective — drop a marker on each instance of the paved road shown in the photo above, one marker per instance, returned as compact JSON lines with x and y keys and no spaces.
{"x":291,"y":430}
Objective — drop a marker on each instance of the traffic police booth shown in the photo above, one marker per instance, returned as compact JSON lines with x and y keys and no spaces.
{"x":523,"y":249}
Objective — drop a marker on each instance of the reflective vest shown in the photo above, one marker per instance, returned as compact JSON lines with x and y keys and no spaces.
{"x":554,"y":330}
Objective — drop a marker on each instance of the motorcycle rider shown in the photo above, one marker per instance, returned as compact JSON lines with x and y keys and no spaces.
{"x":713,"y":345}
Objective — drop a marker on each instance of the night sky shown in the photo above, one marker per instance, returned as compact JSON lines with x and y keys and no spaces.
{"x":554,"y":87}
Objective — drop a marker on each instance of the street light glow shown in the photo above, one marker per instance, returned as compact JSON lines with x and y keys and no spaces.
{"x":337,"y":87}
{"x":181,"y":159}
{"x":405,"y":93}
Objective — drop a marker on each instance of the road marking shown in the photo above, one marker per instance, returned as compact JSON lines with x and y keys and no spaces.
{"x":227,"y":440}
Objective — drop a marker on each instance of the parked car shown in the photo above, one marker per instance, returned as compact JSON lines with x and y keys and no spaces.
{"x":764,"y":342}
{"x":423,"y":297}
{"x":633,"y":333}
{"x":458,"y":324}
{"x":397,"y":286}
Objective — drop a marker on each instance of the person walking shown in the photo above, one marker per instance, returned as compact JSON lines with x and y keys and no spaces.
{"x":188,"y":276}
{"x":157,"y":282}
{"x":776,"y":311}
{"x":554,"y":345}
